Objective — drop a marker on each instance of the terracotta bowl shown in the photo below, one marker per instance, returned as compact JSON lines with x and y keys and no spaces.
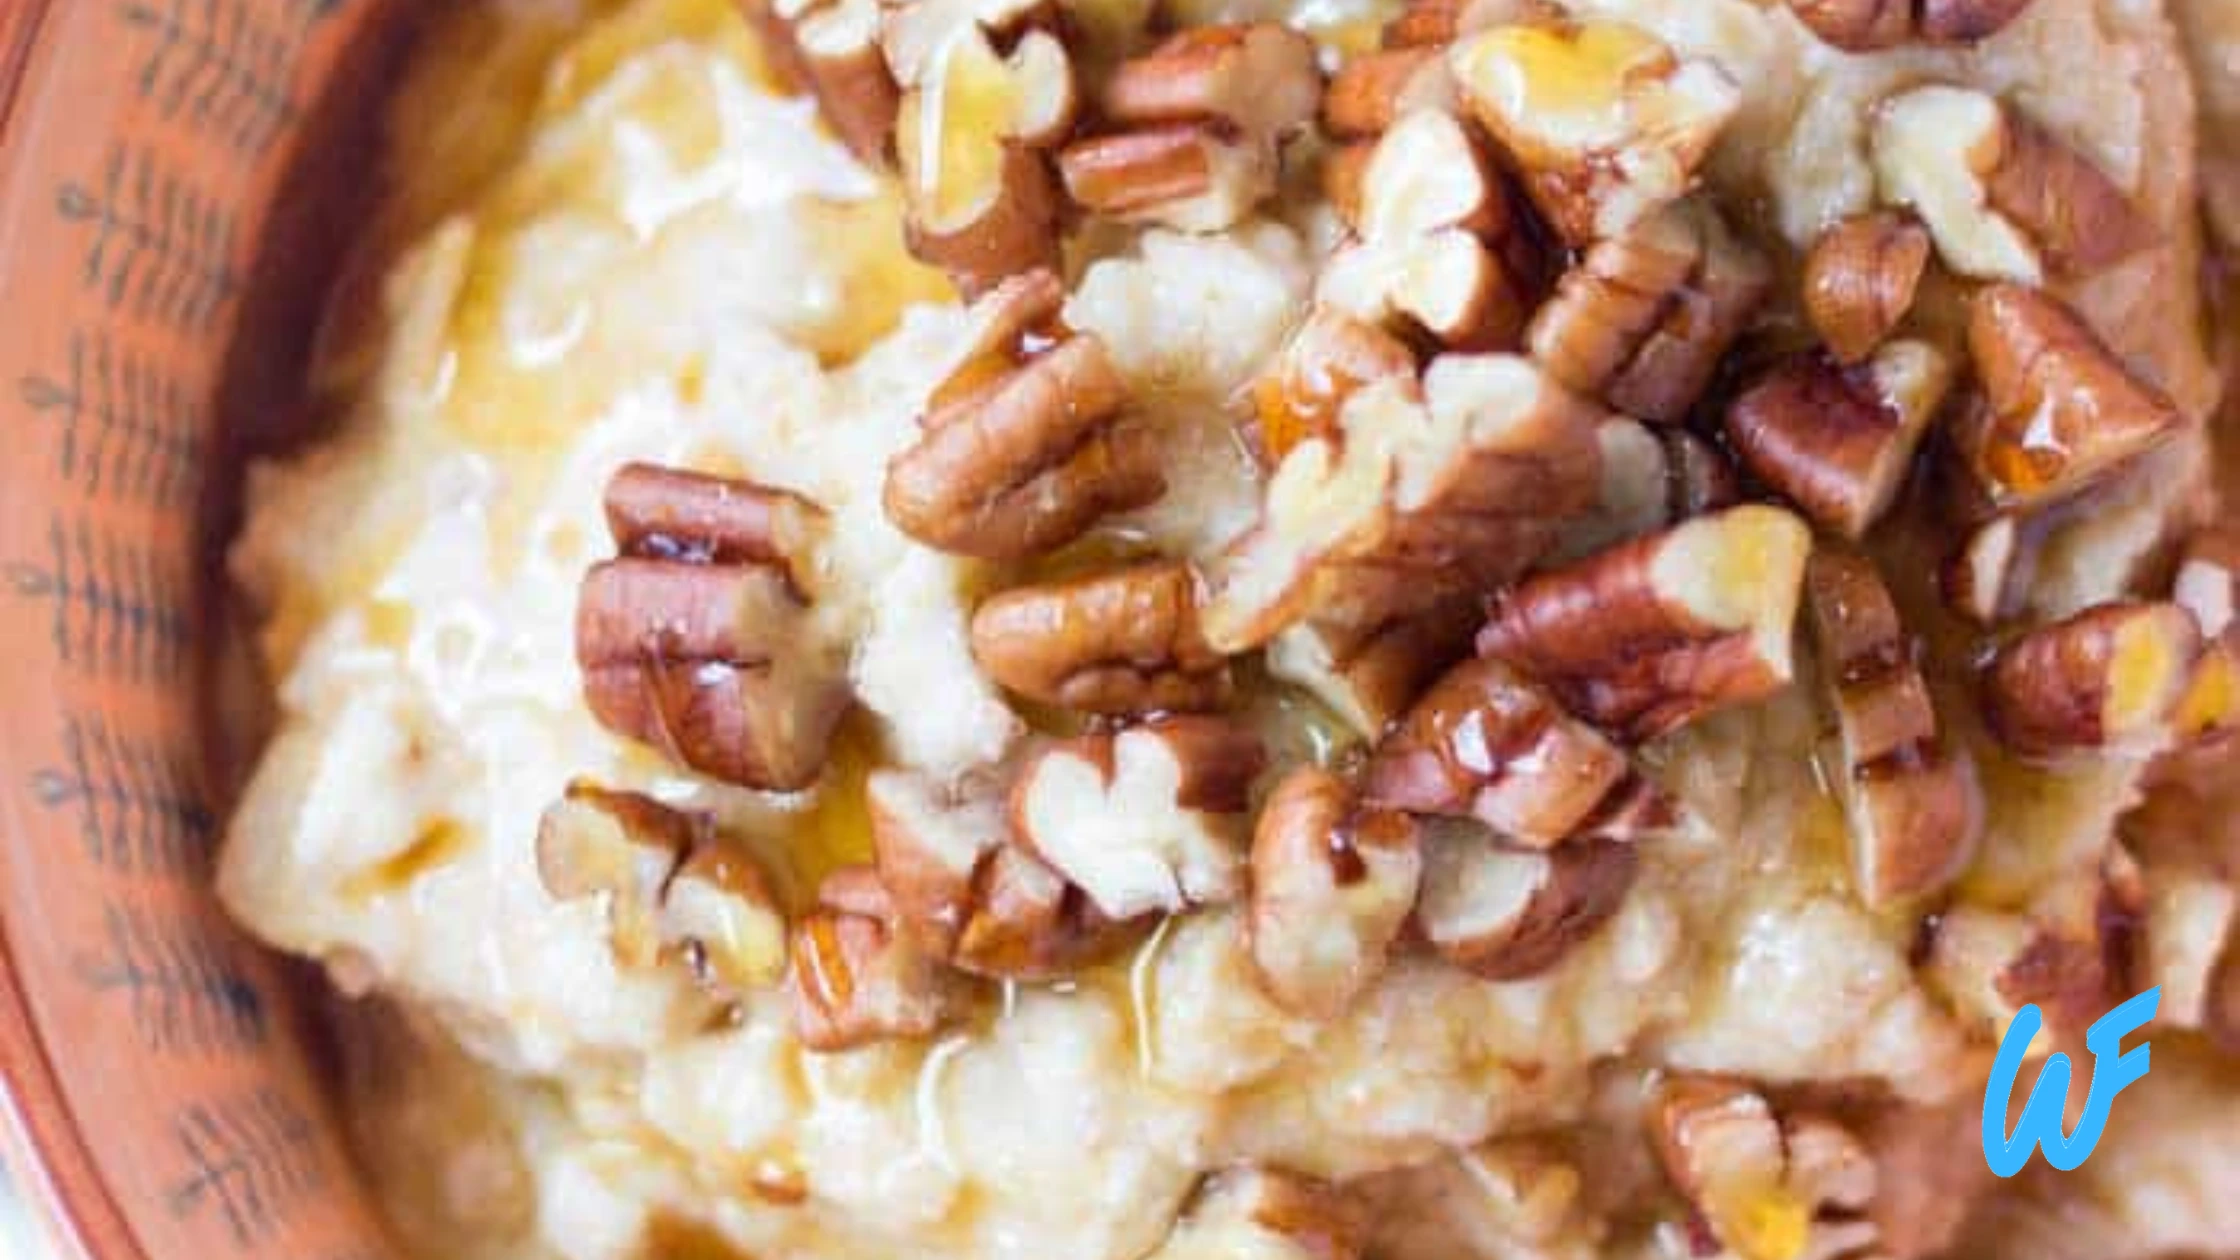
{"x":174,"y":176}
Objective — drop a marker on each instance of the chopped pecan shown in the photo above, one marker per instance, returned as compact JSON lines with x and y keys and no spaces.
{"x":2207,"y":584}
{"x":1369,"y":675}
{"x":1644,"y":318}
{"x":1149,"y":819}
{"x":1860,"y":278}
{"x":1867,"y":25}
{"x":1914,"y":804}
{"x":1332,"y":884}
{"x":1838,"y":441}
{"x":1986,"y":578}
{"x":2061,"y":409}
{"x":1029,"y":442}
{"x":1605,"y":123}
{"x":1373,"y":91}
{"x":1200,"y":124}
{"x":1425,"y":23}
{"x":855,"y":978}
{"x":1266,"y":1214}
{"x":1305,"y":385}
{"x":834,"y":46}
{"x":2003,"y":199}
{"x":697,"y":639}
{"x":1990,"y":964}
{"x":1656,"y":632}
{"x":1508,"y":914}
{"x":1439,"y":253}
{"x":1763,"y":1184}
{"x":1124,"y":642}
{"x":2108,"y":679}
{"x":1653,"y":476}
{"x":1485,"y":742}
{"x":1428,"y":490}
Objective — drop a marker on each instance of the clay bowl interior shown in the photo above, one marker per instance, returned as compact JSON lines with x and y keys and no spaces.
{"x":177,"y":180}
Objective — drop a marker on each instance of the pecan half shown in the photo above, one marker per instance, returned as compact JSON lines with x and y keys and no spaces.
{"x":2108,"y":679}
{"x":1266,"y":1214}
{"x":1860,"y":279}
{"x":1486,"y":743}
{"x":2003,"y":199}
{"x":1644,"y":318}
{"x":1332,"y":884}
{"x":1763,"y":1184}
{"x":1124,"y":642}
{"x":1427,"y":491}
{"x":1508,"y":914}
{"x":834,"y":47}
{"x":1329,"y":356}
{"x":1838,"y":441}
{"x":1151,"y":819}
{"x":856,"y":979}
{"x":1029,"y":442}
{"x":1200,"y":122}
{"x":1656,"y":632}
{"x":697,"y":639}
{"x":1867,"y":25}
{"x":1604,"y":122}
{"x":1915,"y":807}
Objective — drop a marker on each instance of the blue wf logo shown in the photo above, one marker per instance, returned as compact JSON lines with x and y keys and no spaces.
{"x":2112,"y":1069}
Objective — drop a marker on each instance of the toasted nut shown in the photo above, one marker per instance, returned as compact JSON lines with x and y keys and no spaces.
{"x":1987,"y":578}
{"x":1428,"y":23}
{"x":1654,"y":633}
{"x":1866,"y":25}
{"x":1605,"y":123}
{"x":1370,"y":675}
{"x":1764,"y":1185}
{"x":1644,"y":318}
{"x":1149,"y":820}
{"x":1859,"y":281}
{"x":2108,"y":679}
{"x":2062,"y":408}
{"x":719,"y":912}
{"x":1028,"y":443}
{"x":1029,"y":923}
{"x":1267,"y":1215}
{"x":1652,"y":477}
{"x":1989,"y":965}
{"x":1508,"y":914}
{"x":697,"y":640}
{"x":1125,"y":642}
{"x":855,"y":979}
{"x":2207,"y":585}
{"x":1326,"y":359}
{"x":1838,"y":441}
{"x":1375,"y":90}
{"x":1486,"y":743}
{"x":1332,"y":883}
{"x":2002,"y":198}
{"x":1438,"y":250}
{"x":1428,"y":491}
{"x":1915,"y":807}
{"x":2184,"y":917}
{"x":834,"y":45}
{"x":1202,"y":120}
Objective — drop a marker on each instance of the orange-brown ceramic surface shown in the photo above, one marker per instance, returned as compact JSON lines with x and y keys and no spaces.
{"x":167,"y":168}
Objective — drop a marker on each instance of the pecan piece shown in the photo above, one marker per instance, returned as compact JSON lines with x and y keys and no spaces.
{"x":1369,"y":675}
{"x":1201,"y":121}
{"x":1644,"y":318}
{"x":2207,"y":584}
{"x":1763,"y":1184}
{"x":1860,"y":279}
{"x":697,"y":639}
{"x":1868,"y":25}
{"x":1332,"y":884}
{"x":856,"y":979}
{"x":1486,"y":743}
{"x":1605,"y":123}
{"x":1656,"y":632}
{"x":2061,"y":409}
{"x":1029,"y":442}
{"x":2003,"y":199}
{"x":1509,"y":914}
{"x":1266,"y":1214}
{"x":1305,"y":385}
{"x":1375,"y":90}
{"x":1838,"y":441}
{"x":833,"y":45}
{"x":1124,"y":642}
{"x":2109,"y":679}
{"x":1914,"y":805}
{"x":1989,"y":965}
{"x":1653,"y":476}
{"x":1428,"y":491}
{"x":1151,"y":819}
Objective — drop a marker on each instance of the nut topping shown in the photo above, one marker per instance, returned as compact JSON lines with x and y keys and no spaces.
{"x":697,"y":639}
{"x":2062,"y":409}
{"x":855,"y":979}
{"x":1604,"y":122}
{"x":1838,"y":441}
{"x":1859,"y":281}
{"x":1202,"y":120}
{"x":1149,"y":819}
{"x":1300,"y":393}
{"x":2003,"y":199}
{"x":1370,"y":675}
{"x":1509,"y":914}
{"x":1438,"y":252}
{"x":1375,"y":90}
{"x":1427,"y":491}
{"x":1654,"y":633}
{"x":1644,"y":318}
{"x":1028,"y":443}
{"x":2207,"y":585}
{"x":1125,"y":642}
{"x":1265,"y":1214}
{"x":1989,"y":965}
{"x":1914,"y":805}
{"x":1766,"y":1186}
{"x":1485,"y":743}
{"x":1868,"y":25}
{"x":1653,"y":476}
{"x":834,"y":45}
{"x":2108,"y":679}
{"x":1332,"y":883}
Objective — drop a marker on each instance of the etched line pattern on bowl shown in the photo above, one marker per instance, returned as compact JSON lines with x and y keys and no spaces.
{"x":126,"y":425}
{"x":118,"y":607}
{"x":225,"y":68}
{"x":250,"y":1159}
{"x":159,"y":246}
{"x":185,"y":991}
{"x":137,"y":799}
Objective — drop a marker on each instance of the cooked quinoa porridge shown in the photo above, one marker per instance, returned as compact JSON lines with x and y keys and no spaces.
{"x":1291,"y":629}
